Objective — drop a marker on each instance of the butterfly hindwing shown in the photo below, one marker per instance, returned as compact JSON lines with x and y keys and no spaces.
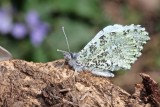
{"x":115,"y":47}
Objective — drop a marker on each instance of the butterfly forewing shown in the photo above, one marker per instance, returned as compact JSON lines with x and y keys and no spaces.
{"x":115,"y":47}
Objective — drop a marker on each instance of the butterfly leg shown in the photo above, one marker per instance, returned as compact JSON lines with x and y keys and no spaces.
{"x":103,"y":73}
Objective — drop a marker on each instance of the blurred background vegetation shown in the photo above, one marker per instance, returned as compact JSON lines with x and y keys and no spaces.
{"x":31,"y":29}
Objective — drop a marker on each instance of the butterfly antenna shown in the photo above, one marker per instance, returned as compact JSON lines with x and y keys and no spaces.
{"x":66,"y":39}
{"x":61,"y":51}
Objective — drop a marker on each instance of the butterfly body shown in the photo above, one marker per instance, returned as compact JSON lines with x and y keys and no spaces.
{"x":113,"y":48}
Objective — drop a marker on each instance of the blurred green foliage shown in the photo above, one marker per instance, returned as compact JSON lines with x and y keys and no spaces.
{"x":82,"y":19}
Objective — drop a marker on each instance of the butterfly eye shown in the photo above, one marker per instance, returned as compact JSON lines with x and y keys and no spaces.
{"x":72,"y":56}
{"x":4,"y":54}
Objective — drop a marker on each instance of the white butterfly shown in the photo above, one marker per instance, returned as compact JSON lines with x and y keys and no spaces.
{"x":4,"y":54}
{"x":113,"y":48}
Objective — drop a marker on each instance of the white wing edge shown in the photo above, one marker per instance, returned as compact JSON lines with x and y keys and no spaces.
{"x":4,"y":54}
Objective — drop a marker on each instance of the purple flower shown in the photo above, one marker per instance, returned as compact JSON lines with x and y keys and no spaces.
{"x":32,"y":19}
{"x":38,"y":34}
{"x":19,"y":31}
{"x":37,"y":28}
{"x":5,"y":21}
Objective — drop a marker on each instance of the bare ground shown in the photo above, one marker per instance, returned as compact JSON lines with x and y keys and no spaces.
{"x":29,"y":84}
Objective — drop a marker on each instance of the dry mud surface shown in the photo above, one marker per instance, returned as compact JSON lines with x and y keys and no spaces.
{"x":29,"y":84}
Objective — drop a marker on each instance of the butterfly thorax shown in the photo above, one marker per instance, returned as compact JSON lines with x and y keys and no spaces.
{"x":71,"y":59}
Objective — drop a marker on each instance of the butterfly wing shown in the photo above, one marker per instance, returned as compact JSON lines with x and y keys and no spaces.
{"x":113,"y":48}
{"x":4,"y":54}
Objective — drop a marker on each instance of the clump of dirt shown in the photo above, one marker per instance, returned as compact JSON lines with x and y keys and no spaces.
{"x":148,"y":91}
{"x":25,"y":84}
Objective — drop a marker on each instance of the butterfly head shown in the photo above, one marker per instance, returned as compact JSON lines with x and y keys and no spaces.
{"x":68,"y":55}
{"x":71,"y":59}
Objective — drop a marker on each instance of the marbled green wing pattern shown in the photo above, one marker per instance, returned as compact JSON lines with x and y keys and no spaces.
{"x":113,"y":48}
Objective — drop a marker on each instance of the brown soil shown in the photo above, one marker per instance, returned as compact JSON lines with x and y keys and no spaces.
{"x":28,"y":84}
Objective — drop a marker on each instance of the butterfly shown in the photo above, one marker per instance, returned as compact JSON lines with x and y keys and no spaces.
{"x":4,"y":54}
{"x":114,"y":48}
